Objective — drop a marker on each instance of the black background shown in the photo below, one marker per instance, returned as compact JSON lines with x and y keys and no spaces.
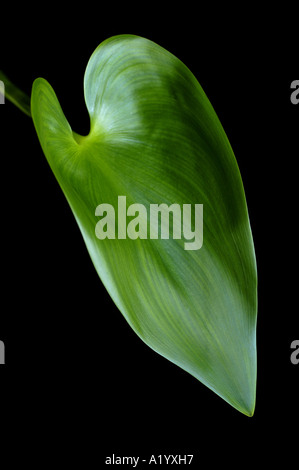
{"x":78,"y":384}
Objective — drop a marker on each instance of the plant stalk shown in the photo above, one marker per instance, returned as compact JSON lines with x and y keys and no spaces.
{"x":15,"y":95}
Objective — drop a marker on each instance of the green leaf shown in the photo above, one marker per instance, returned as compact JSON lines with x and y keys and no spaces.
{"x":155,"y":138}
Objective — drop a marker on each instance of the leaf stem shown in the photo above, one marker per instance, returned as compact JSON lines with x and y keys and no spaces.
{"x":14,"y":94}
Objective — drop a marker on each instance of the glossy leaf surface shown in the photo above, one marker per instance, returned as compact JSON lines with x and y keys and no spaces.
{"x":155,"y":138}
